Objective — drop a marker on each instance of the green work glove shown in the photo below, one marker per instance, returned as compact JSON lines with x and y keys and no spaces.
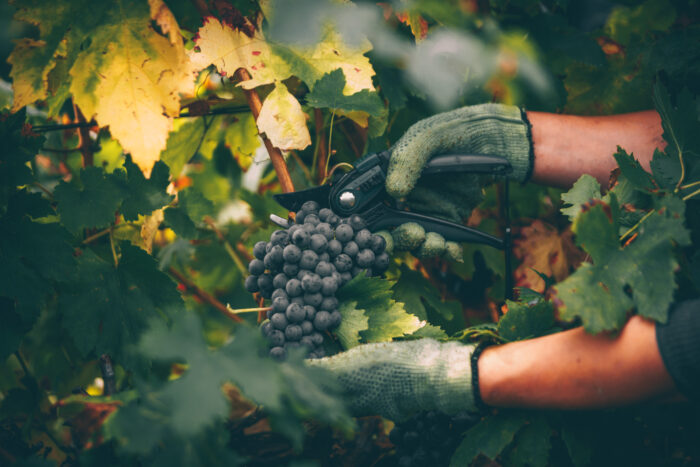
{"x":492,"y":129}
{"x":398,"y":379}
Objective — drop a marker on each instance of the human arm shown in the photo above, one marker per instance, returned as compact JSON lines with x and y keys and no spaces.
{"x":568,"y":146}
{"x":576,"y":370}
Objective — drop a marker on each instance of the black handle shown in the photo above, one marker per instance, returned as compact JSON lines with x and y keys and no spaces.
{"x":472,"y":163}
{"x":381,"y":216}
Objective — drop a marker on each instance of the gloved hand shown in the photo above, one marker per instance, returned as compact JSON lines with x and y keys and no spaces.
{"x":397,"y":379}
{"x":492,"y":129}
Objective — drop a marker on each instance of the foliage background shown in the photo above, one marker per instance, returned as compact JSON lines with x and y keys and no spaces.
{"x":100,"y":262}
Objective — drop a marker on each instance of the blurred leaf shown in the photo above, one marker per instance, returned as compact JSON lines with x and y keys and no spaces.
{"x":532,"y":444}
{"x":183,"y":143}
{"x":413,"y":289}
{"x":488,"y":437}
{"x":525,"y":322}
{"x":143,"y":196}
{"x":328,"y":92}
{"x":430,"y":332}
{"x":242,"y":138}
{"x":177,"y":219}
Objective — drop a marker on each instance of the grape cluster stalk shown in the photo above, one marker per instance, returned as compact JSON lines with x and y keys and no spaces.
{"x":429,"y":438}
{"x":300,"y":270}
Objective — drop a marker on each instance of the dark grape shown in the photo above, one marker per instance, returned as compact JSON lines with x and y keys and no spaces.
{"x":342,"y":263}
{"x":344,"y":233}
{"x":279,"y":237}
{"x":308,"y":342}
{"x":293,"y":288}
{"x":377,"y":244}
{"x":356,"y":222}
{"x":312,"y":219}
{"x":309,"y":229}
{"x":336,"y":318}
{"x":280,"y":304}
{"x":311,"y":283}
{"x":313,"y":299}
{"x":365,"y":258}
{"x":279,"y":293}
{"x":276,"y":338}
{"x":290,"y":270}
{"x":265,"y":282}
{"x":298,"y":300}
{"x":307,"y":327}
{"x":300,"y":217}
{"x":310,"y":206}
{"x":301,"y":238}
{"x":309,"y":260}
{"x":279,"y":321}
{"x":333,"y":220}
{"x":256,"y":267}
{"x":310,"y":312}
{"x":356,"y":270}
{"x":302,"y":274}
{"x":251,"y":284}
{"x":324,"y":213}
{"x":381,"y":263}
{"x":259,"y":250}
{"x":317,"y":337}
{"x":351,"y":249}
{"x":322,"y":320}
{"x":277,"y":353}
{"x":324,"y":257}
{"x":325,"y":229}
{"x":362,"y":238}
{"x":291,"y":254}
{"x":295,"y":313}
{"x":334,"y":248}
{"x":329,"y":285}
{"x":266,"y":328}
{"x":292,"y":229}
{"x":345,"y":277}
{"x":279,"y":281}
{"x":329,"y":304}
{"x":319,"y":243}
{"x":324,"y":268}
{"x":293,"y":332}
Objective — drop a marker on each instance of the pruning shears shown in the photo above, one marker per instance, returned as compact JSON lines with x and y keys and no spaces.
{"x":361,"y":191}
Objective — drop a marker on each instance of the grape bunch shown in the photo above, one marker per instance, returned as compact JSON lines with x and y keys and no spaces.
{"x":429,"y":438}
{"x":300,"y":269}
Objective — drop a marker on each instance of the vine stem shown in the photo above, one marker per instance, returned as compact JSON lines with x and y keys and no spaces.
{"x":687,"y":197}
{"x":635,"y":226}
{"x":227,"y":246}
{"x":114,"y":250}
{"x":247,"y":310}
{"x":204,"y":296}
{"x":84,"y":142}
{"x":275,"y":154}
{"x":320,"y":155}
{"x":330,"y":140}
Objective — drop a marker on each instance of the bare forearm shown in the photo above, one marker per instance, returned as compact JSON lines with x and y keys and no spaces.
{"x":575,"y":370}
{"x":568,"y":146}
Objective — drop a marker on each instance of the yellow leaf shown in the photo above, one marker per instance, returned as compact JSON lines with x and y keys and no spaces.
{"x":130,"y":79}
{"x":230,"y":49}
{"x":29,"y":80}
{"x":283,"y":121}
{"x":242,"y":138}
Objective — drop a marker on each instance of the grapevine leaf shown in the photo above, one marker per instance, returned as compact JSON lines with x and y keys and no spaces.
{"x":243,"y":140}
{"x":598,"y":292}
{"x":328,"y":92}
{"x":182,"y":144}
{"x":585,"y":189}
{"x":631,"y":169}
{"x":143,"y":196}
{"x":415,"y":291}
{"x":195,"y":204}
{"x":129,"y":78}
{"x":387,"y":318}
{"x":488,"y":437}
{"x":283,"y":121}
{"x":177,"y":219}
{"x":429,"y":331}
{"x":524,"y":322}
{"x":106,"y":308}
{"x":17,"y":147}
{"x":532,"y":445}
{"x":354,"y":321}
{"x":578,"y":444}
{"x":89,"y":202}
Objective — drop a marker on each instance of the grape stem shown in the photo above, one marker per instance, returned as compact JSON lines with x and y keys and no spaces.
{"x":227,"y":246}
{"x":201,"y":294}
{"x":247,"y":310}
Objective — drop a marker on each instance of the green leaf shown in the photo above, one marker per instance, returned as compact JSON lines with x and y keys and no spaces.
{"x":584,"y":190}
{"x":532,"y":444}
{"x":422,"y":299}
{"x":631,"y":169}
{"x":354,"y":321}
{"x":524,"y":322}
{"x":17,"y":147}
{"x":106,"y":309}
{"x":143,"y":196}
{"x":488,"y":437}
{"x":578,"y":443}
{"x":328,"y":92}
{"x":195,"y":204}
{"x":598,"y":292}
{"x":429,"y":331}
{"x":177,"y":219}
{"x":182,"y":144}
{"x":90,"y":201}
{"x":387,"y":318}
